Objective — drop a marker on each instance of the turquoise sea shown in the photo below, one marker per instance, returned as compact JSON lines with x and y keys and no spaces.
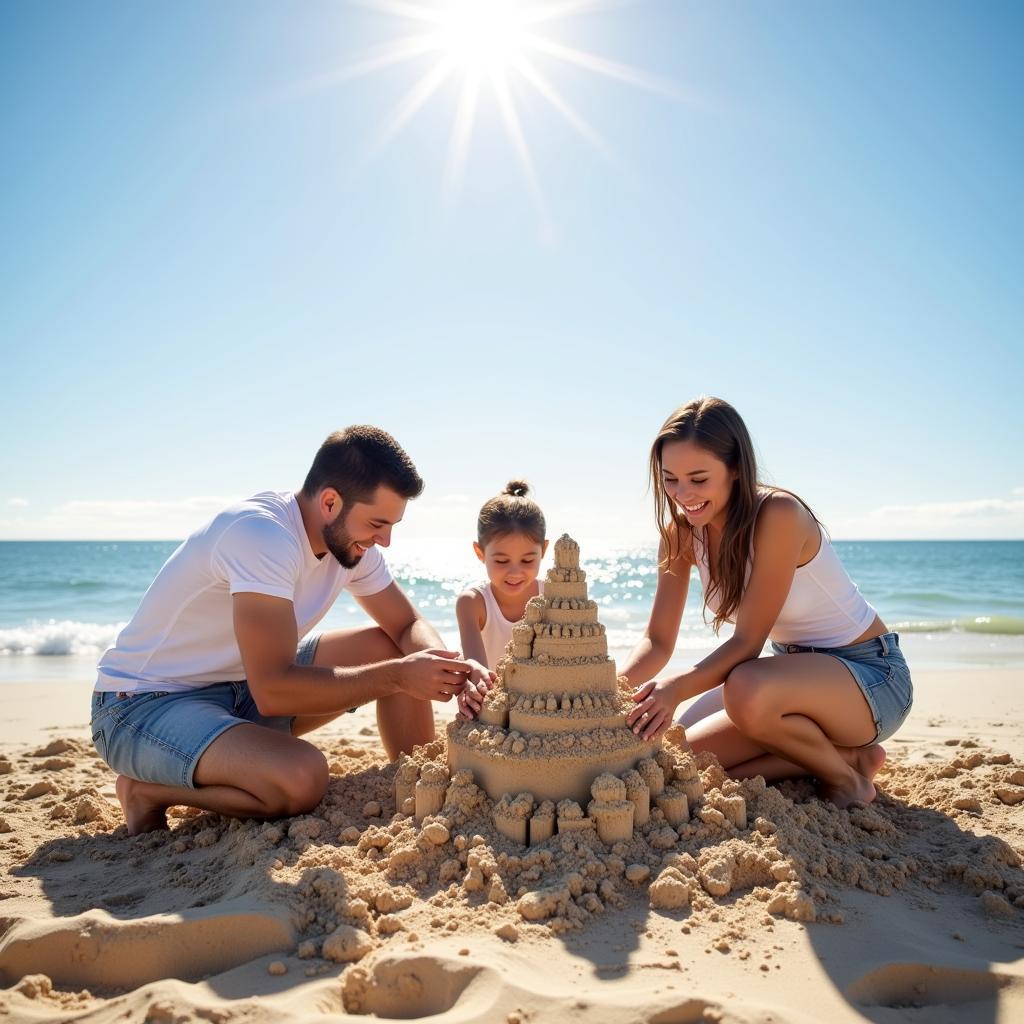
{"x":63,"y":602}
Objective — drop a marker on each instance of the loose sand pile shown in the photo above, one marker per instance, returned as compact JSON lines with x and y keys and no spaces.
{"x":376,"y":907}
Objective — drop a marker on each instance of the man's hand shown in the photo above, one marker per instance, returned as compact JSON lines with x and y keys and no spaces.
{"x":480,"y":680}
{"x":433,"y":674}
{"x":656,"y":704}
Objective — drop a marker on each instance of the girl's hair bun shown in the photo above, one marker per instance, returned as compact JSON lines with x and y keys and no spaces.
{"x":517,"y":488}
{"x":512,"y":511}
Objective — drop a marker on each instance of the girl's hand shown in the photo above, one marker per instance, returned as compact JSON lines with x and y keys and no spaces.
{"x":479,"y":681}
{"x":480,"y":676}
{"x":656,"y":704}
{"x":469,"y":702}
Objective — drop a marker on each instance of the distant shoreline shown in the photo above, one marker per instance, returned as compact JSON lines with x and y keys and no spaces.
{"x":460,"y":538}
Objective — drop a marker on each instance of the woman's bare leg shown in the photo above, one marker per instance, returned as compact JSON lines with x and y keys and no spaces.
{"x":801,"y":707}
{"x":865,"y":761}
{"x":792,"y":715}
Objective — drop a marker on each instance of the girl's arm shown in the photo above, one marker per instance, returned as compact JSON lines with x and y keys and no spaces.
{"x":471,"y":615}
{"x":652,"y":653}
{"x":779,"y":535}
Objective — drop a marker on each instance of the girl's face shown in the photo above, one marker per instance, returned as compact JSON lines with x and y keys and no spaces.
{"x":512,"y":561}
{"x":697,"y":481}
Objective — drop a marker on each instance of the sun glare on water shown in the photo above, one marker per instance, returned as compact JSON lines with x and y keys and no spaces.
{"x":486,"y":45}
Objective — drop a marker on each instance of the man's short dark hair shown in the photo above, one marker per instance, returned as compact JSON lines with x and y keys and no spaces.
{"x":357,"y":460}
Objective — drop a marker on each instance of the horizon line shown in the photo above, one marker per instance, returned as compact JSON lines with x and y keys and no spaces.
{"x":651,"y":543}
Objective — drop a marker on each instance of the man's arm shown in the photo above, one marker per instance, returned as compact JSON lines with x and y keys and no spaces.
{"x":395,"y":614}
{"x":267,"y":639}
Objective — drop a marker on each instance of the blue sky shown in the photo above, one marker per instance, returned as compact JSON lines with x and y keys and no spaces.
{"x":209,"y":261}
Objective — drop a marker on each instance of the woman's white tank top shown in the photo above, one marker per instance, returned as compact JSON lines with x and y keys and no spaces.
{"x":497,"y":629}
{"x":823,"y":608}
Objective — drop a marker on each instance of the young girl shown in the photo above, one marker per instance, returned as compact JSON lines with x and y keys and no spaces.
{"x":510,"y":541}
{"x":838,"y":684}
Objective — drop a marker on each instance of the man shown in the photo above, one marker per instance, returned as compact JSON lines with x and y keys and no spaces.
{"x":205,"y":692}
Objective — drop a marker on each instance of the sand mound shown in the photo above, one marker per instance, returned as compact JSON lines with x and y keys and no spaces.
{"x":359,"y":892}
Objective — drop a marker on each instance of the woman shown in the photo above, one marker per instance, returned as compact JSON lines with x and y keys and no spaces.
{"x":838,"y":684}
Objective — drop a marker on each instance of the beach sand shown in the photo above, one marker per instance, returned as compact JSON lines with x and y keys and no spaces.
{"x":917,"y":903}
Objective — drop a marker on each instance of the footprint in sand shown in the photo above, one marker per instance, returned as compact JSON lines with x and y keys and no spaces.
{"x":421,"y":986}
{"x":920,"y":986}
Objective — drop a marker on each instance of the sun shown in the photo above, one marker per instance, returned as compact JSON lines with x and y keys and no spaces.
{"x":487,"y":45}
{"x":483,"y":36}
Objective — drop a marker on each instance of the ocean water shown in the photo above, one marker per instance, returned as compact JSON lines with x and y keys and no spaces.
{"x":63,"y":602}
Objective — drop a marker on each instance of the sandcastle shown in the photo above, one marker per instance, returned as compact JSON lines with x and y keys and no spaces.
{"x":551,"y":746}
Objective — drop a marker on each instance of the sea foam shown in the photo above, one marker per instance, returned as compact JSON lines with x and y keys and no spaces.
{"x":55,"y":637}
{"x":994,"y":625}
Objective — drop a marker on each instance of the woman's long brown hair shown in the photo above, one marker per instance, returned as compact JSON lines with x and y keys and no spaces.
{"x":714,"y":425}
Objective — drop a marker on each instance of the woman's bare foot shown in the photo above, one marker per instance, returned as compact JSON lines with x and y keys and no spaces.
{"x":864,"y":760}
{"x":141,"y":815}
{"x":856,"y":790}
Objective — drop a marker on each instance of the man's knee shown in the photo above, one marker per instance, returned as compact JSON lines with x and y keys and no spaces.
{"x":363,"y":647}
{"x":304,"y":784}
{"x":747,"y":699}
{"x":381,"y":646}
{"x":405,"y":723}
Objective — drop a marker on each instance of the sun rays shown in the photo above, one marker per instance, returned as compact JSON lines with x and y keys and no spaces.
{"x":486,"y":46}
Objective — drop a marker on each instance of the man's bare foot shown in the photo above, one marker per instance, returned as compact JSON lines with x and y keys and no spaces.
{"x":141,"y":815}
{"x":857,"y":790}
{"x":864,"y":760}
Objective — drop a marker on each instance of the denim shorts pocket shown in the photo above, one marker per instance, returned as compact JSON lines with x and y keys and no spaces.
{"x":123,"y":707}
{"x":909,"y":684}
{"x":901,"y":684}
{"x":874,"y":673}
{"x":101,"y":705}
{"x":890,"y":672}
{"x":99,"y":741}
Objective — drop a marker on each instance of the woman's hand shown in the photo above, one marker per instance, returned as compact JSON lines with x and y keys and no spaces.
{"x":656,"y":704}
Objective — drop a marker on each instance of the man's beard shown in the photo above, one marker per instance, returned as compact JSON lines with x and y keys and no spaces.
{"x":339,"y":542}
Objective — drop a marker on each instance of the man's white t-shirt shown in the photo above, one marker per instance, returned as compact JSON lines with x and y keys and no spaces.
{"x":183,"y":635}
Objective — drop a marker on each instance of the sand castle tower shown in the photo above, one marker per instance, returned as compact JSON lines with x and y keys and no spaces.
{"x":553,"y":731}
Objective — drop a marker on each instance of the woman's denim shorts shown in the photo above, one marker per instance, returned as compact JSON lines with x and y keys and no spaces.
{"x":882,"y":674}
{"x":159,"y":736}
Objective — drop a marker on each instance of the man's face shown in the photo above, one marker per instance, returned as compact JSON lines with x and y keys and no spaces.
{"x":361,"y":525}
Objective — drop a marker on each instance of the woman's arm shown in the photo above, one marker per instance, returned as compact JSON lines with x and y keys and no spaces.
{"x":779,"y":536}
{"x":652,"y":653}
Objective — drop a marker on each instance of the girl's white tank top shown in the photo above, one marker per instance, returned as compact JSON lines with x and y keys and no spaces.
{"x":497,"y":629}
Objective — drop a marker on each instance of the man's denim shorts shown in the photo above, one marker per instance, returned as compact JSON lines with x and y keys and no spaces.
{"x":159,"y":736}
{"x":882,"y":674}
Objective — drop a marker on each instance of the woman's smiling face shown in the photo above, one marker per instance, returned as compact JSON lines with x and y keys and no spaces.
{"x":698,"y":482}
